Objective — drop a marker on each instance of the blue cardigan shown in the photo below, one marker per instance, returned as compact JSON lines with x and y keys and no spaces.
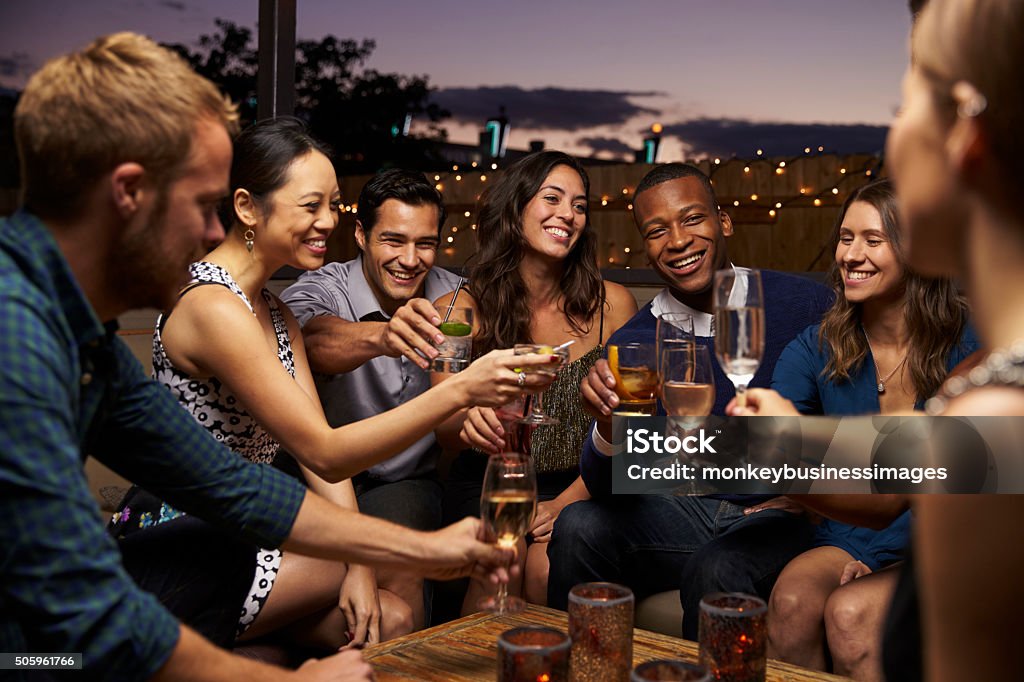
{"x":798,"y":377}
{"x":790,"y":304}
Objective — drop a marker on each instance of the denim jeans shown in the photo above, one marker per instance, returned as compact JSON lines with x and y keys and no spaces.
{"x":657,"y":543}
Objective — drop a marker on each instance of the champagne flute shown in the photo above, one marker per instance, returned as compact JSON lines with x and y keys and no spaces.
{"x":635,"y":368}
{"x":739,"y":325}
{"x":687,"y":385}
{"x":537,"y":414}
{"x":508,"y":503}
{"x":675,"y":330}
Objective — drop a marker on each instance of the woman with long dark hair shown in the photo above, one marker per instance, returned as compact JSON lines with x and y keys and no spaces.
{"x":535,"y":279}
{"x":885,"y":345}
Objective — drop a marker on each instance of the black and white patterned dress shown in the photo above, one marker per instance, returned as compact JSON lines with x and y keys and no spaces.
{"x":217,"y":409}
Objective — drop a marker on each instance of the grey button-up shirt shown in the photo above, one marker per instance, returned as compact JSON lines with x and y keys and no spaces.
{"x":341,"y":289}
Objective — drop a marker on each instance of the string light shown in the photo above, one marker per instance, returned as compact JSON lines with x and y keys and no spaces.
{"x":494,"y":166}
{"x":775,"y":201}
{"x":455,"y":228}
{"x":807,"y":150}
{"x":821,"y":149}
{"x":760,"y":152}
{"x":455,"y":167}
{"x":436,"y":178}
{"x":439,"y":187}
{"x":473,"y":164}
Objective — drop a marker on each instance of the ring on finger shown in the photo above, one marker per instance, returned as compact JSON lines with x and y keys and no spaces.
{"x":521,"y":379}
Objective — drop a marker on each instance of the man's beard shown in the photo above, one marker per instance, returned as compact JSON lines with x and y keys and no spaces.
{"x":142,"y":274}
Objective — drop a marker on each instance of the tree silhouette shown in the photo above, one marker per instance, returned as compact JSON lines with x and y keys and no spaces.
{"x":359,"y":112}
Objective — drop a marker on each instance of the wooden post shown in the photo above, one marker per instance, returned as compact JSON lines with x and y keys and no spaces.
{"x":275,"y":88}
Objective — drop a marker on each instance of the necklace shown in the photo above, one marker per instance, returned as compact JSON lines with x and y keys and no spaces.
{"x":881,"y":380}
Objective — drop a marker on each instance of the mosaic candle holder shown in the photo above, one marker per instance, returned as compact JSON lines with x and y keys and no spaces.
{"x":601,"y":627}
{"x":733,"y":636}
{"x":666,"y":670}
{"x":533,"y":654}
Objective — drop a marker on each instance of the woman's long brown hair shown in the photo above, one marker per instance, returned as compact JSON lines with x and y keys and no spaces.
{"x":936,"y":313}
{"x":502,"y":308}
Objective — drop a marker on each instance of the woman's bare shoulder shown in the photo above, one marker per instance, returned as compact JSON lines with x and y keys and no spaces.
{"x":621,"y":305}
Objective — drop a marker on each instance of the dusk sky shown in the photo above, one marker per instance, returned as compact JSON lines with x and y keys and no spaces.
{"x":722,"y":76}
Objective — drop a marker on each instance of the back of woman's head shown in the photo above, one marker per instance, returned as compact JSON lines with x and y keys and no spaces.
{"x":980,"y":42}
{"x":263,"y":153}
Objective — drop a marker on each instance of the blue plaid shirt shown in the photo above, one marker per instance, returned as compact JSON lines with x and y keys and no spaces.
{"x":70,"y":388}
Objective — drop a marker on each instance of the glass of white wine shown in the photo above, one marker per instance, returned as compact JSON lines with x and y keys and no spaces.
{"x":739,"y":325}
{"x":508,"y":503}
{"x":687,"y":385}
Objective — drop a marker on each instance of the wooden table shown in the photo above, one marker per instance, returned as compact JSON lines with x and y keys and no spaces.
{"x":466,"y":649}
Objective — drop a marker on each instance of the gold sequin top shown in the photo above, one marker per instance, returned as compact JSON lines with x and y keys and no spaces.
{"x":556,"y":447}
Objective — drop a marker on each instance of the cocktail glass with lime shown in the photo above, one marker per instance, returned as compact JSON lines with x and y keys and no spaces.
{"x":456,"y":351}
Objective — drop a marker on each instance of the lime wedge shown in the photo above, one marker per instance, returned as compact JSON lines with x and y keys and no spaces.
{"x":455,"y":329}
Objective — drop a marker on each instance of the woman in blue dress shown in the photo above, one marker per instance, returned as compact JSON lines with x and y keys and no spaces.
{"x":885,"y":346}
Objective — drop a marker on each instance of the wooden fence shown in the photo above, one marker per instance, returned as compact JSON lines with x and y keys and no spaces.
{"x":783,"y":208}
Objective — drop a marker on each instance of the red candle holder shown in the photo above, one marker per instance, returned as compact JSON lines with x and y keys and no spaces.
{"x":601,"y":627}
{"x":533,"y":654}
{"x":733,"y":636}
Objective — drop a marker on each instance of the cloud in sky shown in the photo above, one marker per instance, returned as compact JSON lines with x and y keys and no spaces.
{"x":13,"y":64}
{"x":606,"y":144}
{"x":173,"y":4}
{"x":544,"y":108}
{"x":741,"y":137}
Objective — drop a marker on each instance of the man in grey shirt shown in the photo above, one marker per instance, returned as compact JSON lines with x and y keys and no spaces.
{"x":368,"y":326}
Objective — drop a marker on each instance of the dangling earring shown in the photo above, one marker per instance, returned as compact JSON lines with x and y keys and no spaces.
{"x":249,"y":237}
